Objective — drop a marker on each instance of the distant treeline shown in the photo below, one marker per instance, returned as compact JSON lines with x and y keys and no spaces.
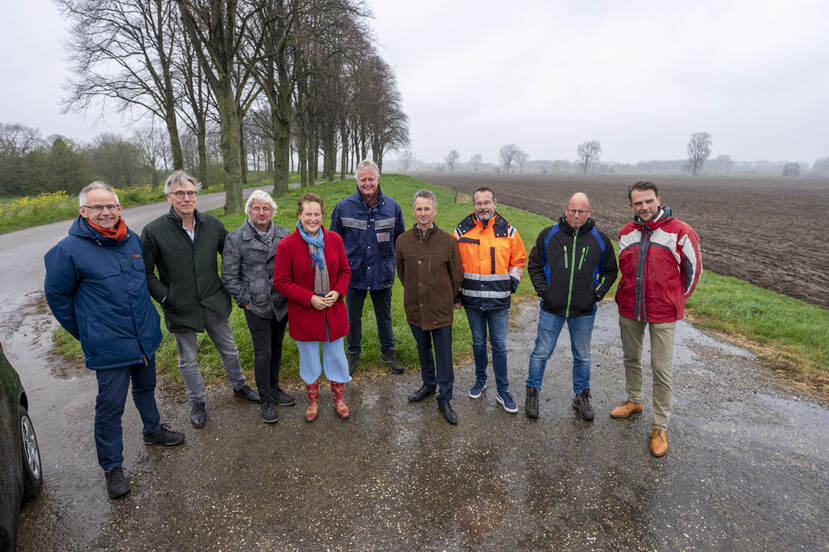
{"x":267,"y":77}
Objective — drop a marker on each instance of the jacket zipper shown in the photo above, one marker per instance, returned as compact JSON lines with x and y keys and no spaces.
{"x":572,"y":272}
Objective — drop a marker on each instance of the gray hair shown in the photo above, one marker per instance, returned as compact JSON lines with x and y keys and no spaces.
{"x":427,"y":194}
{"x":97,"y":185}
{"x":365,"y":165}
{"x":179,"y":179}
{"x":263,"y":197}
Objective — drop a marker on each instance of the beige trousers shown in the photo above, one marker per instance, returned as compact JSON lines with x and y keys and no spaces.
{"x":662,"y":350}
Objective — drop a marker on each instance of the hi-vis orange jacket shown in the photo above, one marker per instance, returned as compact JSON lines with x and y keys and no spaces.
{"x":493,"y":257}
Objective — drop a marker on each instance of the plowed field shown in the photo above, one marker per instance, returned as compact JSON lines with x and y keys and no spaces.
{"x":772,"y":232}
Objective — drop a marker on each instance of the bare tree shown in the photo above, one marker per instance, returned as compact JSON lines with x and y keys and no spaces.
{"x":699,"y":149}
{"x":220,"y":33}
{"x":588,"y":153}
{"x":452,"y":159}
{"x":509,"y":154}
{"x":152,"y":143}
{"x":406,"y":158}
{"x":521,"y":159}
{"x":123,"y":50}
{"x":821,"y":166}
{"x":17,"y":140}
{"x":475,"y":161}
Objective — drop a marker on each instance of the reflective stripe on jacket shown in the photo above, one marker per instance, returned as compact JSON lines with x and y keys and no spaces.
{"x":493,"y":257}
{"x":369,"y":235}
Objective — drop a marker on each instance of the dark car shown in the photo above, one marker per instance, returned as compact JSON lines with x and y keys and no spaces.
{"x":21,"y":476}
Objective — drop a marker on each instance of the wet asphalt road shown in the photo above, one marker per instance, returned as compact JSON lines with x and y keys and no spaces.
{"x":747,"y":468}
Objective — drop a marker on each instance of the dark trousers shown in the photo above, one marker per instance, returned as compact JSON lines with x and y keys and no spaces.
{"x":267,"y":334}
{"x":113,"y":385}
{"x":381,"y":299}
{"x":441,"y":340}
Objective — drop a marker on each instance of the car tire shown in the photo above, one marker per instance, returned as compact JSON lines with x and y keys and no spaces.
{"x":30,"y":457}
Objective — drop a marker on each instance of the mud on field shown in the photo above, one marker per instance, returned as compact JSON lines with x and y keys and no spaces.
{"x":768,"y":231}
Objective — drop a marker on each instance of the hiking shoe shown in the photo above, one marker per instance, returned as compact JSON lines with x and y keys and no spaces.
{"x":477,"y":389}
{"x":659,"y":443}
{"x":531,"y":402}
{"x":394,"y":365}
{"x":353,"y":362}
{"x":283,"y":399}
{"x":505,"y":399}
{"x":269,"y":413}
{"x":198,"y":415}
{"x":626,"y":409}
{"x":581,"y":403}
{"x":164,"y":436}
{"x":117,"y":484}
{"x":245,"y":392}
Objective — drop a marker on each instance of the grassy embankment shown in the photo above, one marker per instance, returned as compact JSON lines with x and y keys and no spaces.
{"x":24,"y":212}
{"x":794,"y":332}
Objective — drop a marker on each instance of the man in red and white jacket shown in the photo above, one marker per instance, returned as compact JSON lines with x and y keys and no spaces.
{"x":660,"y":266}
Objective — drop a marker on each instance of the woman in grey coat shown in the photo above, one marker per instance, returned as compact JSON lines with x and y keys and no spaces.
{"x":247,"y":273}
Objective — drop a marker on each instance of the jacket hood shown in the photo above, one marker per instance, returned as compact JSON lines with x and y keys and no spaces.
{"x":565,"y":227}
{"x":663,"y":216}
{"x":81,"y":229}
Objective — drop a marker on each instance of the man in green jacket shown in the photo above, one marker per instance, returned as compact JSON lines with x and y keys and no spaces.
{"x":183,"y":245}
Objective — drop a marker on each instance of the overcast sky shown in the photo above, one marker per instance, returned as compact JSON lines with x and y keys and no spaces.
{"x":638,"y":76}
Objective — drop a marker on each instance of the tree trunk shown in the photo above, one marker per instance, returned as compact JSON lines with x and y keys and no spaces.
{"x":203,"y":161}
{"x":230,"y":128}
{"x":344,"y":155}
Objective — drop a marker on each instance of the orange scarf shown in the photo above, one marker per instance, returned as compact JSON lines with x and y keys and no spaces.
{"x":119,"y":232}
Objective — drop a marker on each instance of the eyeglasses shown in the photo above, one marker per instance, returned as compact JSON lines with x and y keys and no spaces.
{"x":579,"y":212}
{"x":181,"y":193}
{"x":110,"y":208}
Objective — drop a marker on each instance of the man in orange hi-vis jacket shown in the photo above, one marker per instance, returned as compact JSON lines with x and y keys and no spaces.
{"x":493,"y":257}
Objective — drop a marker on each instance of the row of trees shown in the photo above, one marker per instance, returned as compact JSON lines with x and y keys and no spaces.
{"x":279,"y":70}
{"x":30,"y":164}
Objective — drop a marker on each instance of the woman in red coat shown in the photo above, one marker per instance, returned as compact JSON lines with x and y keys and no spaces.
{"x":312,"y":271}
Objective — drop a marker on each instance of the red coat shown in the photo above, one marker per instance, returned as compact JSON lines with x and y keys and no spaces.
{"x":293,"y":277}
{"x":655,"y":288}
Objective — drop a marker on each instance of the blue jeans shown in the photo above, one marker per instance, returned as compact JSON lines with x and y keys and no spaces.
{"x":438,"y":363}
{"x":549,"y":327}
{"x":497,"y":321}
{"x":113,"y":385}
{"x":381,"y":299}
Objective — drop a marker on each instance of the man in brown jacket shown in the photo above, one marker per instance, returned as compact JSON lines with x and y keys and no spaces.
{"x":429,"y":267}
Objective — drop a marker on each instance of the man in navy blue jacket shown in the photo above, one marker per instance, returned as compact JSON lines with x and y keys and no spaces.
{"x":96,"y":287}
{"x":369,"y":223}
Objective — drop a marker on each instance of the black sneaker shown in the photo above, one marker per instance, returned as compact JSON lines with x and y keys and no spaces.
{"x":269,"y":413}
{"x":531,"y":402}
{"x":581,"y":403}
{"x":164,"y":436}
{"x":245,"y":392}
{"x":198,"y":415}
{"x":283,"y":399}
{"x":117,"y":484}
{"x":394,"y":365}
{"x":353,"y":362}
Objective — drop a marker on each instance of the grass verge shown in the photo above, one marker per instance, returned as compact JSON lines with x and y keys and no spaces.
{"x":798,"y":333}
{"x":25,"y":212}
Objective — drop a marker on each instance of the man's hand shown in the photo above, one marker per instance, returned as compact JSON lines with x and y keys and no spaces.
{"x":457,"y":306}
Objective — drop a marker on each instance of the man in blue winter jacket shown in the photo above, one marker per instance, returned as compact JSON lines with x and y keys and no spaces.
{"x":97,"y":289}
{"x":369,"y":223}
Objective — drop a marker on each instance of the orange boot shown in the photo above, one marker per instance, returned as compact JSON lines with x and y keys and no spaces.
{"x":313,"y":401}
{"x":339,"y":402}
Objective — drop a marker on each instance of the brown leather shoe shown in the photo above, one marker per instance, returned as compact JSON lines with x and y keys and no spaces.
{"x":659,"y":443}
{"x":626,"y":409}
